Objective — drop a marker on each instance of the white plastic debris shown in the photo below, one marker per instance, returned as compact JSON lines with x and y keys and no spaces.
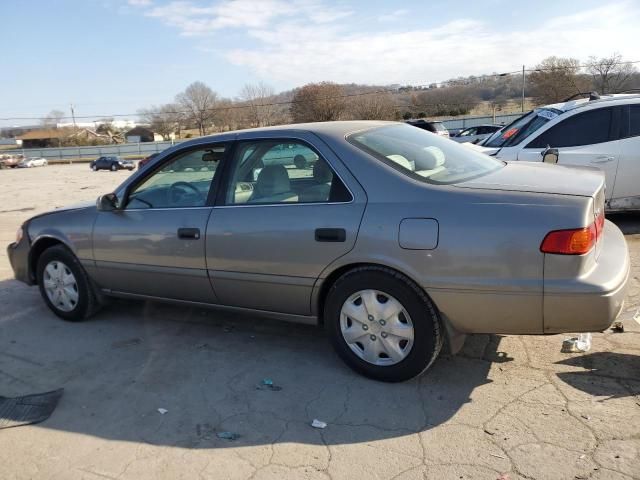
{"x":318,"y":424}
{"x":162,"y":411}
{"x":584,"y":342}
{"x":581,"y":343}
{"x":636,"y":316}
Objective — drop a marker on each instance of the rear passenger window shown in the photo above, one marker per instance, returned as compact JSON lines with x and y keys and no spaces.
{"x":276,"y":171}
{"x":634,"y":120}
{"x":587,"y":128}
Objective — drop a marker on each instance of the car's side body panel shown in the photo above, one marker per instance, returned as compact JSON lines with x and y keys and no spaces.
{"x":139,"y":251}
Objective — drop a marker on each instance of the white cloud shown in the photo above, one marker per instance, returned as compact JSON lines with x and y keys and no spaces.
{"x":139,"y":3}
{"x":298,"y":41}
{"x":194,"y":20}
{"x":461,"y":47}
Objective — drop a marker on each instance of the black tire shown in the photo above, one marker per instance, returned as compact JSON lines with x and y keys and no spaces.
{"x":94,"y":168}
{"x":428,"y":337}
{"x":114,"y":167}
{"x":87,"y":303}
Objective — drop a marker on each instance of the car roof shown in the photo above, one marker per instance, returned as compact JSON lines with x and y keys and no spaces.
{"x":608,"y":100}
{"x":332,"y":129}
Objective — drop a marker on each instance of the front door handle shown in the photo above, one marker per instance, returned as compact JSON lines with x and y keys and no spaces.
{"x":331,"y":235}
{"x":189,"y":233}
{"x":603,"y":159}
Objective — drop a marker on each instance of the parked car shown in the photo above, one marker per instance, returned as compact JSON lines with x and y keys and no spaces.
{"x":33,"y":162}
{"x":146,"y":160}
{"x":112,"y":163}
{"x":599,"y":131}
{"x":475,"y":134}
{"x":11,"y":161}
{"x":430,"y":126}
{"x":394,"y":239}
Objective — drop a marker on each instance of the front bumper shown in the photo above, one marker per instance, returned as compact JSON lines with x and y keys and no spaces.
{"x":594,"y":301}
{"x":18,"y":254}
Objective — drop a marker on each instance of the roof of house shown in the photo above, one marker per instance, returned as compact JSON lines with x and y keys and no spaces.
{"x":139,"y":131}
{"x":44,"y":134}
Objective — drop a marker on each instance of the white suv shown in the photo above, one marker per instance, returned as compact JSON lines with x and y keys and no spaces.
{"x":599,"y":131}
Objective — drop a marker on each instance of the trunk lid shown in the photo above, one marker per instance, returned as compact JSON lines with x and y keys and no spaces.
{"x":538,"y":177}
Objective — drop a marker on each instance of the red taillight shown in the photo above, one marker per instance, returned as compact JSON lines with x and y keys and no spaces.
{"x":570,"y":242}
{"x":600,"y":224}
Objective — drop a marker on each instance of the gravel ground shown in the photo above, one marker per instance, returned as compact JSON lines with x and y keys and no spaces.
{"x":511,"y":405}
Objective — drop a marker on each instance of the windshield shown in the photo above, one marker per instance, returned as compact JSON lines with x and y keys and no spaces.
{"x":423,"y":155}
{"x":439,"y":127}
{"x":521,"y":128}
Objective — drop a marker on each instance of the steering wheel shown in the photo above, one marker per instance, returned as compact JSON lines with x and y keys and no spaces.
{"x":175,"y":194}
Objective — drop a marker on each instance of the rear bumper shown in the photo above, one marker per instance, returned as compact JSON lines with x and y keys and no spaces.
{"x":592,"y":302}
{"x":18,"y":254}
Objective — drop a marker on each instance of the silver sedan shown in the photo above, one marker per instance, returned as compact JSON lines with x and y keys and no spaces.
{"x":395,"y":239}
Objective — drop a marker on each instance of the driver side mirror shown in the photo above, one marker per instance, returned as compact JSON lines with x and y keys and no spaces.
{"x":550,"y":155}
{"x":107,"y":202}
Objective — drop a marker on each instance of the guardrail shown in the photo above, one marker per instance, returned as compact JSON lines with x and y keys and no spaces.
{"x":80,"y":154}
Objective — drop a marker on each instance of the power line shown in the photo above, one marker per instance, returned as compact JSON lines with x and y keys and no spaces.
{"x":420,"y":87}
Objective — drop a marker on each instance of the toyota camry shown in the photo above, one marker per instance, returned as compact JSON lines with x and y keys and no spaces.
{"x":395,"y":239}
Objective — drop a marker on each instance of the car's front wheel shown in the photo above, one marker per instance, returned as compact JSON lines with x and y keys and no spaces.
{"x":114,"y":167}
{"x":382,"y":324}
{"x":94,"y":168}
{"x":64,"y":285}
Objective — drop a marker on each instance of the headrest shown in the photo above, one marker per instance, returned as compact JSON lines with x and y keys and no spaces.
{"x":273,"y":179}
{"x":321,"y":172}
{"x":432,"y":158}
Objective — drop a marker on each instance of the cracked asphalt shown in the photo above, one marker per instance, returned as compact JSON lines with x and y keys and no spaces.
{"x":507,"y":407}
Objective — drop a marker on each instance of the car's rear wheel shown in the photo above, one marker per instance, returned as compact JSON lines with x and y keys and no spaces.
{"x":64,"y":285}
{"x":382,"y":324}
{"x":113,"y":167}
{"x":94,"y":168}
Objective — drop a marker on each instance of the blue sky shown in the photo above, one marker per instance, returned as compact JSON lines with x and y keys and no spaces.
{"x":116,"y":56}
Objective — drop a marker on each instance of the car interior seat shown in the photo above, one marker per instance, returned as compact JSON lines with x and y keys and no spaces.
{"x":322,"y":176}
{"x":273,"y":185}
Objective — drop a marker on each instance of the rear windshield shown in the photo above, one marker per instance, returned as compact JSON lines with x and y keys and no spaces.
{"x":520,"y":129}
{"x":439,"y":127}
{"x":423,"y":155}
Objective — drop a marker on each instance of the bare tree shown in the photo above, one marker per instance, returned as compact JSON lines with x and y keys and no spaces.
{"x":318,"y":102}
{"x":556,"y":78}
{"x":610,"y":74}
{"x":373,"y":106}
{"x":447,"y":101}
{"x":199,"y":103}
{"x":258,"y":98}
{"x":53,"y":118}
{"x":227,"y":115}
{"x":163,"y":119}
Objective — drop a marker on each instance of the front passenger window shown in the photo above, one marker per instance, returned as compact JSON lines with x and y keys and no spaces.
{"x":185,"y":181}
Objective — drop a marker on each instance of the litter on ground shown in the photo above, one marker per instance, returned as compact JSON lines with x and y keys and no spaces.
{"x":318,"y":423}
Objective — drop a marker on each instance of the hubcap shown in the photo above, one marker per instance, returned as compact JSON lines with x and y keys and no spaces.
{"x":60,"y":286}
{"x":376,"y":327}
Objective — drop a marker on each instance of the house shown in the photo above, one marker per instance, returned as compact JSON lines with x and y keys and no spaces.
{"x":57,"y":137}
{"x":142,"y":134}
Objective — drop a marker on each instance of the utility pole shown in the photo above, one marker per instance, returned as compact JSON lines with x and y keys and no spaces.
{"x":523,"y":84}
{"x":73,"y":116}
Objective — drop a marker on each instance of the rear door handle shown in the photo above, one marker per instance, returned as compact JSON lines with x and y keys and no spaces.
{"x":603,"y":159}
{"x":189,"y":233}
{"x":331,"y":235}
